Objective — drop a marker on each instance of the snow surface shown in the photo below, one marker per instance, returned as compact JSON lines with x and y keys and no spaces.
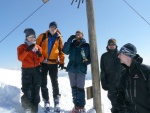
{"x":10,"y":93}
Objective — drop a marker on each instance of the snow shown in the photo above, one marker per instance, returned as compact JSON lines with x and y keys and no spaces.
{"x":10,"y":93}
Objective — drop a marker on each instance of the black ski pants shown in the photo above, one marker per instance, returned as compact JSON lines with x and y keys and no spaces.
{"x":53,"y":71}
{"x":31,"y":80}
{"x":112,"y":94}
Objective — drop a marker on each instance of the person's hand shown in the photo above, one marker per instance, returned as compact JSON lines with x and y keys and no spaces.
{"x":35,"y":49}
{"x":39,"y":53}
{"x":61,"y":66}
{"x":30,"y":47}
{"x":104,"y":86}
{"x":72,"y":37}
{"x":85,"y":60}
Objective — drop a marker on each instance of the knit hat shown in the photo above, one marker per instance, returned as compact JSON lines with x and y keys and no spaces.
{"x":111,"y":41}
{"x":53,"y":24}
{"x":129,"y":50}
{"x":29,"y":31}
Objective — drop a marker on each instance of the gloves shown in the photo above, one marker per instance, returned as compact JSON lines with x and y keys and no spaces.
{"x":105,"y":88}
{"x":61,"y":66}
{"x":72,"y":37}
{"x":38,"y":53}
{"x":30,"y":47}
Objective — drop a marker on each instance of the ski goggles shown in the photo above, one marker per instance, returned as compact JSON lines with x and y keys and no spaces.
{"x":31,"y":36}
{"x":127,"y":52}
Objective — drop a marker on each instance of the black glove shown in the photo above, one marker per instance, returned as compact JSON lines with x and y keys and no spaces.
{"x":105,"y":87}
{"x":39,"y":53}
{"x":104,"y":84}
{"x":30,"y":47}
{"x":72,"y":37}
{"x":61,"y":66}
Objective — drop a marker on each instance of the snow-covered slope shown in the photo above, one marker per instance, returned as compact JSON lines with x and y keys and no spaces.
{"x":10,"y":93}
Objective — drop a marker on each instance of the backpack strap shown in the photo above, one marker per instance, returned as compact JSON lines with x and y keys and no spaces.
{"x":43,"y":38}
{"x":59,"y":48}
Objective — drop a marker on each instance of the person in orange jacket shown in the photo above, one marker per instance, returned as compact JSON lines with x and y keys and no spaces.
{"x":30,"y":54}
{"x":52,"y":44}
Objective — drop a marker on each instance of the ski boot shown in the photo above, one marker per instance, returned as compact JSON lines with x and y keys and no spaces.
{"x":77,"y":109}
{"x":46,"y":106}
{"x":56,"y":104}
{"x":27,"y":110}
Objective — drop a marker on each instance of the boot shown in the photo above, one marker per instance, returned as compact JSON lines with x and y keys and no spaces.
{"x":27,"y":110}
{"x":74,"y":94}
{"x":56,"y":103}
{"x":81,"y":110}
{"x":78,"y":109}
{"x":46,"y":106}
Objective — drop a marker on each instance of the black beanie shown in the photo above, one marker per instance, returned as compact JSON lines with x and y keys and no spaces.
{"x":53,"y":24}
{"x":29,"y":31}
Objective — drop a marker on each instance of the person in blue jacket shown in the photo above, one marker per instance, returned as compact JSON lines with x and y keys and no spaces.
{"x":79,"y":57}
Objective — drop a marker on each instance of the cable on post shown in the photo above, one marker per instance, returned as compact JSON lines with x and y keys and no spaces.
{"x":136,"y":12}
{"x":78,"y":2}
{"x":23,"y":21}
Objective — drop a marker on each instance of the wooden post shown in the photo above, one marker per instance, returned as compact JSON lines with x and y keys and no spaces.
{"x":94,"y":56}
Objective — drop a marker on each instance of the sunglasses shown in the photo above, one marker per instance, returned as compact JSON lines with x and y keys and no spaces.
{"x":54,"y":27}
{"x":112,"y":44}
{"x":31,"y":36}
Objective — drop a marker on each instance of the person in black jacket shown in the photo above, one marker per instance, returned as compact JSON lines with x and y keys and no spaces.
{"x":134,"y":88}
{"x":111,"y":69}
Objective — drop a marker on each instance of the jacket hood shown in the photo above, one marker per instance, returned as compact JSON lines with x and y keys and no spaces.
{"x":138,"y":59}
{"x":57,"y":32}
{"x":78,"y":43}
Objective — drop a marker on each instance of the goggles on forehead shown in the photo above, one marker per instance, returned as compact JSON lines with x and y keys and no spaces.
{"x":127,"y":52}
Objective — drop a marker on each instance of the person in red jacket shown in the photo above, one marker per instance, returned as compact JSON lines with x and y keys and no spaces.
{"x":30,"y":55}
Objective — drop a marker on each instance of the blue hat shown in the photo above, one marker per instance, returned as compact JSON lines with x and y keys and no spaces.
{"x":129,"y":50}
{"x":53,"y":24}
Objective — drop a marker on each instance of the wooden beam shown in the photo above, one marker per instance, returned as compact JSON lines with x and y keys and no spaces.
{"x":94,"y":56}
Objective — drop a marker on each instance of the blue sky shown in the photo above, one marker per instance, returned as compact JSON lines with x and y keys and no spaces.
{"x":113,"y":19}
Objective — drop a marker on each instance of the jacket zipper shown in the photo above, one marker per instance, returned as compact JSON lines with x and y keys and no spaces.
{"x":126,"y":89}
{"x":33,"y":59}
{"x":134,"y":88}
{"x":130,"y":89}
{"x":135,"y":107}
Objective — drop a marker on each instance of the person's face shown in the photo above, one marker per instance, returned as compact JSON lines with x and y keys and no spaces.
{"x":79,"y":36}
{"x":123,"y":58}
{"x":112,"y":46}
{"x":31,"y":38}
{"x":52,"y":29}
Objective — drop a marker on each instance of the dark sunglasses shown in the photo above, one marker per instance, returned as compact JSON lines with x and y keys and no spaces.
{"x":53,"y":27}
{"x":112,"y":44}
